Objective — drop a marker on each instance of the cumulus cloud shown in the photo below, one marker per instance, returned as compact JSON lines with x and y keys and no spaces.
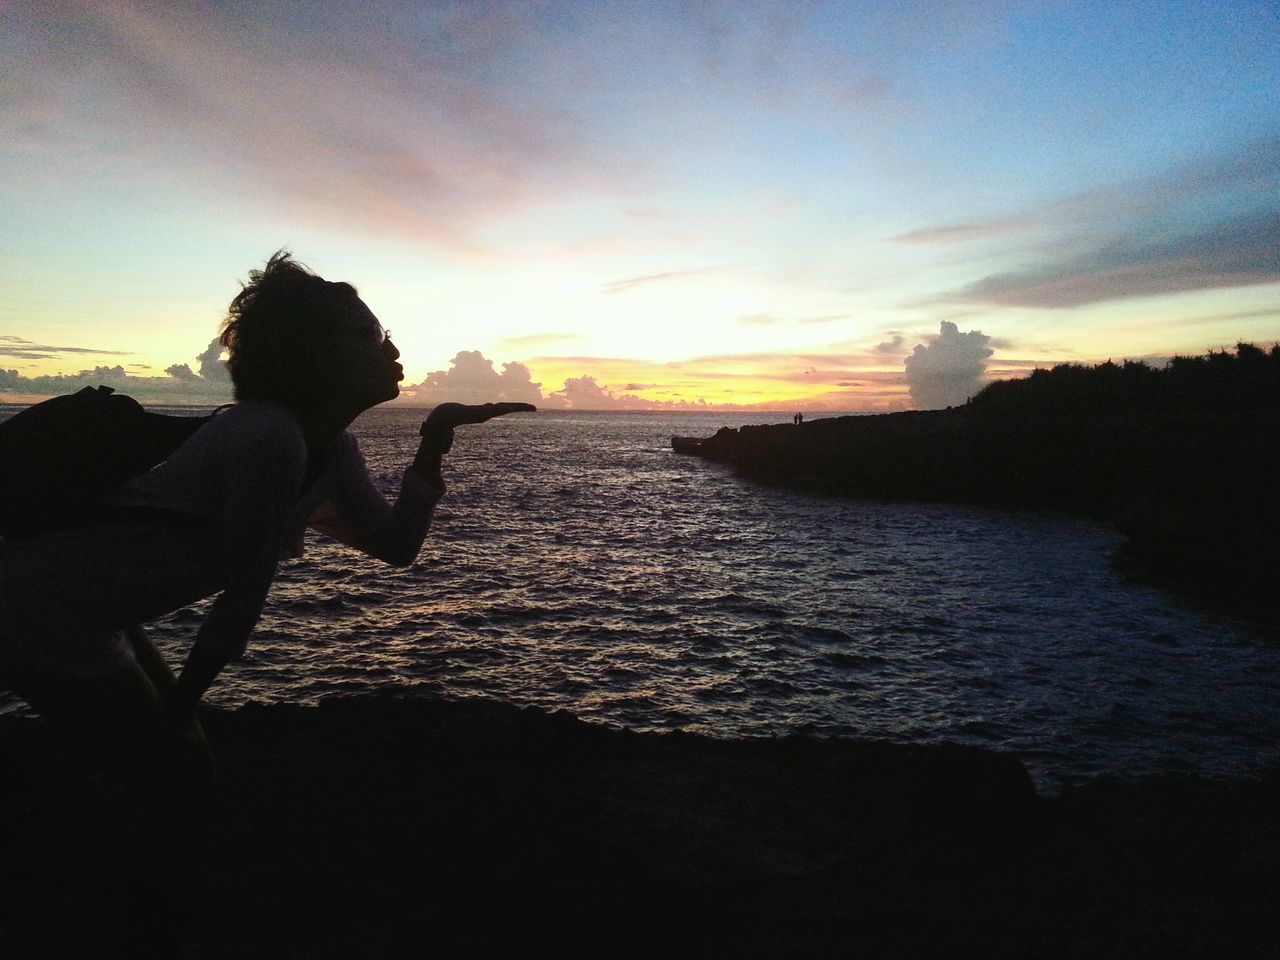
{"x":947,"y":371}
{"x":181,"y":384}
{"x":148,"y":389}
{"x":471,"y":378}
{"x":586,"y":393}
{"x":895,"y":345}
{"x":212,"y":367}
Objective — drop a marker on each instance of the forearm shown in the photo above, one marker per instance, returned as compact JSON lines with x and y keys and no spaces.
{"x":427,"y":463}
{"x":198,"y":673}
{"x":435,"y":443}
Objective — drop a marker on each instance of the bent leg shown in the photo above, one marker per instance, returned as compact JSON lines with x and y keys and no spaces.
{"x":153,"y":809}
{"x":195,"y":756}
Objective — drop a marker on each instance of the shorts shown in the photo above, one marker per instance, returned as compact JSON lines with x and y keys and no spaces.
{"x":46,"y":625}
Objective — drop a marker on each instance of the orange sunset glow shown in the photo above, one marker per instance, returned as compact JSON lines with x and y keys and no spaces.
{"x":643,"y":206}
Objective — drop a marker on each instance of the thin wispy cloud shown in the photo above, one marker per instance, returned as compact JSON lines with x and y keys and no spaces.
{"x":539,"y":341}
{"x":23,"y":349}
{"x":628,"y":284}
{"x":1213,"y":188}
{"x":388,"y":142}
{"x":760,"y":320}
{"x":956,"y":233}
{"x":1239,"y":253}
{"x":771,"y":319}
{"x":570,"y":174}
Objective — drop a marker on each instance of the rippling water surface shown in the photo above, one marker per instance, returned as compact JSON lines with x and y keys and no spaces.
{"x":578,"y":563}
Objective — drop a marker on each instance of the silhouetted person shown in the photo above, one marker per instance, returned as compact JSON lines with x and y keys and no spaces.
{"x":306,"y":357}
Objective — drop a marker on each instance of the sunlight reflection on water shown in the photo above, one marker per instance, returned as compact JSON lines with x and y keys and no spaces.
{"x":578,"y":563}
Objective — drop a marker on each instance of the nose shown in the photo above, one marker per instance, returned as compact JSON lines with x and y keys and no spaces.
{"x":389,"y":350}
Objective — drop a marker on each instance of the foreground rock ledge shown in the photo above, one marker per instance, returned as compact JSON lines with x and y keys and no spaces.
{"x":386,"y":827}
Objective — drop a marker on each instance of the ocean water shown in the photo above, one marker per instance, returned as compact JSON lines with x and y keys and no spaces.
{"x":577,"y":563}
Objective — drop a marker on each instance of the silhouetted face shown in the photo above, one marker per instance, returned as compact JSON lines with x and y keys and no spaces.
{"x":366,"y":371}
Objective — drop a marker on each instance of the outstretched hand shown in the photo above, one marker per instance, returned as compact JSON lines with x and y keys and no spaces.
{"x":446,"y":416}
{"x":437,"y":430}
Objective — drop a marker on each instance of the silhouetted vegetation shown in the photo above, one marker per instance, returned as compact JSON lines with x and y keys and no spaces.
{"x":1184,"y":459}
{"x":1218,"y":383}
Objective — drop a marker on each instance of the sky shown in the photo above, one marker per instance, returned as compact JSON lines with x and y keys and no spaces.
{"x":859,"y":206}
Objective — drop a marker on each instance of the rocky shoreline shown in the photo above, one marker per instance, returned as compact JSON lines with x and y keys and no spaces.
{"x":408,"y":827}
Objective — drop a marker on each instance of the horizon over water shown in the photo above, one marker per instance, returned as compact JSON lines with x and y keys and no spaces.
{"x":577,"y":563}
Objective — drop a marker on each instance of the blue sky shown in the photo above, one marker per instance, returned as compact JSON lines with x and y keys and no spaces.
{"x":637,"y":204}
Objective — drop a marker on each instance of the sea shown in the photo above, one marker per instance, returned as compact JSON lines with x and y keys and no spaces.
{"x":577,"y":563}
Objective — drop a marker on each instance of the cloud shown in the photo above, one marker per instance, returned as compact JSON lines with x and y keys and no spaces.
{"x":1205,"y":225}
{"x":471,"y":378}
{"x":180,"y":385}
{"x":1241,"y":252}
{"x":212,"y":367}
{"x":536,"y":341}
{"x":896,"y":345}
{"x":767,"y":318}
{"x":27,"y":350}
{"x":947,"y":371}
{"x":955,"y":233}
{"x":630,"y":283}
{"x":584,"y":393}
{"x":759,"y":320}
{"x":168,"y":389}
{"x":414,"y":119}
{"x":1216,"y":187}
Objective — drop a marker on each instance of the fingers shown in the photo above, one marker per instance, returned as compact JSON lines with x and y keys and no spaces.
{"x":457,"y":414}
{"x":502,"y":409}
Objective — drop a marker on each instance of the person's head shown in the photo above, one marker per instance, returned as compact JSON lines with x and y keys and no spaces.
{"x":296,"y":339}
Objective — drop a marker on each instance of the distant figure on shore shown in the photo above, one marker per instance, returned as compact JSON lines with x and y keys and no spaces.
{"x":306,"y":357}
{"x":798,"y":419}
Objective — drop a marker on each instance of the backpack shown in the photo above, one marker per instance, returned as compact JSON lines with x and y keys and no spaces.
{"x":60,"y":458}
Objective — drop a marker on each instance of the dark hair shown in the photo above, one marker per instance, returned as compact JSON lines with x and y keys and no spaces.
{"x":279,"y":329}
